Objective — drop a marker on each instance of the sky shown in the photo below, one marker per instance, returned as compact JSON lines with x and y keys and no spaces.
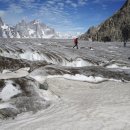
{"x":63,"y":15}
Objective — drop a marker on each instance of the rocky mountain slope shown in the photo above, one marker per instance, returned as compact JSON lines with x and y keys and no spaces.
{"x":33,"y":29}
{"x":111,"y":28}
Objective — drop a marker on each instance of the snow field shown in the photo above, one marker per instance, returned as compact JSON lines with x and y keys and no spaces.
{"x":82,"y":106}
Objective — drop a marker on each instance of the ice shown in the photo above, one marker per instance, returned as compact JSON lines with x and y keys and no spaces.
{"x":48,"y":95}
{"x":91,"y":49}
{"x":86,"y":89}
{"x":6,"y":105}
{"x":118,"y":67}
{"x":9,"y":91}
{"x":78,"y":63}
{"x":39,"y":78}
{"x":16,"y":74}
{"x":30,"y":56}
{"x":79,"y":77}
{"x":6,"y":71}
{"x":82,"y":106}
{"x":34,"y":56}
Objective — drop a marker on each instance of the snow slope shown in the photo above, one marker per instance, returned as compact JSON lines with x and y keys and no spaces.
{"x":81,"y":106}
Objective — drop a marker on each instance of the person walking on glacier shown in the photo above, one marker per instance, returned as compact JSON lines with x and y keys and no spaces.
{"x":125,"y":33}
{"x":76,"y":43}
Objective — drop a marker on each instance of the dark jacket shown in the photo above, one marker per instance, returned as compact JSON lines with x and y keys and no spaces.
{"x":76,"y":41}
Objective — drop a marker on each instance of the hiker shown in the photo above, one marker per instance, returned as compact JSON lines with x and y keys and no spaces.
{"x":76,"y":43}
{"x":125,"y":33}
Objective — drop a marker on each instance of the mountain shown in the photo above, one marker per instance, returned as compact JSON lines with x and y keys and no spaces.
{"x":67,"y":35}
{"x":1,"y":22}
{"x":33,"y":29}
{"x":111,"y":28}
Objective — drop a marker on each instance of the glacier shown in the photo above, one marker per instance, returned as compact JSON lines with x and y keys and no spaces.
{"x":46,"y":84}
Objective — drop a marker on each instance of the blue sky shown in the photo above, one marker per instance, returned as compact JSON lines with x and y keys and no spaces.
{"x":63,"y":15}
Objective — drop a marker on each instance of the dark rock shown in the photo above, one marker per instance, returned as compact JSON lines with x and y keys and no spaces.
{"x":44,"y":86}
{"x":12,"y":64}
{"x":6,"y":113}
{"x":15,"y":64}
{"x":2,"y":83}
{"x":28,"y":100}
{"x":106,"y":39}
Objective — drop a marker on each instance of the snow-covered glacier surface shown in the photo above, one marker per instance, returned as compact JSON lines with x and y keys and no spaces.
{"x":49,"y":85}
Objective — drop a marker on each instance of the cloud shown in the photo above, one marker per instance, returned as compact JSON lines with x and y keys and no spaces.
{"x":82,"y":2}
{"x":2,"y":13}
{"x":60,"y":4}
{"x":97,"y":1}
{"x":51,"y":2}
{"x":53,"y":13}
{"x":6,"y":1}
{"x":103,"y":1}
{"x":61,"y":15}
{"x":14,"y":8}
{"x":28,"y":1}
{"x":71,"y":3}
{"x":13,"y":13}
{"x":68,"y":1}
{"x":76,"y":4}
{"x":104,"y":6}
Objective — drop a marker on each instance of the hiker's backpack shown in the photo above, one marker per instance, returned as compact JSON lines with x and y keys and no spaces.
{"x":76,"y":40}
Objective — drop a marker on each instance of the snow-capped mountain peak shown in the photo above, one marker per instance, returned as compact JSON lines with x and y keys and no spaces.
{"x":4,"y":26}
{"x":1,"y":21}
{"x":35,"y":22}
{"x":32,"y":29}
{"x":23,"y":29}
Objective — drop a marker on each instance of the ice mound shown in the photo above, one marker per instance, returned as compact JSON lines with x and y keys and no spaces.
{"x":78,"y":77}
{"x":9,"y":91}
{"x":84,"y":78}
{"x":54,"y":59}
{"x":79,"y":62}
{"x":19,"y":95}
{"x":7,"y":74}
{"x":116,"y":66}
{"x":47,"y":56}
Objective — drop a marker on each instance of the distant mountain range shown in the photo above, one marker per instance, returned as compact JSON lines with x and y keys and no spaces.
{"x":111,"y":28}
{"x":33,"y":29}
